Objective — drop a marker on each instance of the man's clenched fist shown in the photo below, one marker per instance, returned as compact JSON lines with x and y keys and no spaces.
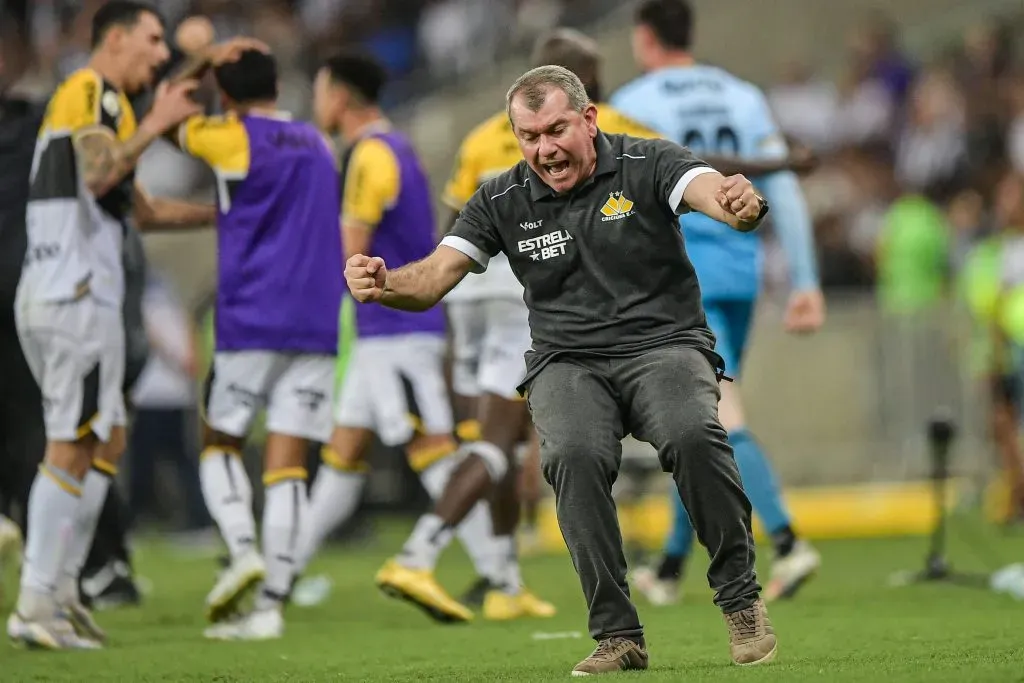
{"x":737,"y":196}
{"x":366,"y":278}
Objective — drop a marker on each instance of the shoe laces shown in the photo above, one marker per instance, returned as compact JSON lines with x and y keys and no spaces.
{"x":744,"y":623}
{"x":610,"y":649}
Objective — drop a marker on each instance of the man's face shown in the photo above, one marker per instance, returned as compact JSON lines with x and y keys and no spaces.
{"x":143,"y":50}
{"x":557,"y":141}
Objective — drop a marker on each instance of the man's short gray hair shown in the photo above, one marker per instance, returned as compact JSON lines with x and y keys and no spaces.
{"x":536,"y":83}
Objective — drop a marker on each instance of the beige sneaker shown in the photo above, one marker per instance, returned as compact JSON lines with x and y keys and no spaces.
{"x":611,"y":655}
{"x":751,"y":636}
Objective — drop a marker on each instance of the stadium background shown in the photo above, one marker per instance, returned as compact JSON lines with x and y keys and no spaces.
{"x":842,"y":413}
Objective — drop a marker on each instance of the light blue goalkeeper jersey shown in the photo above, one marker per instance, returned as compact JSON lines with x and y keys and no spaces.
{"x":713,"y":112}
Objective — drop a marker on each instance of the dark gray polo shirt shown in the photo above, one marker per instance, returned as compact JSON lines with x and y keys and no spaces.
{"x":603,"y":266}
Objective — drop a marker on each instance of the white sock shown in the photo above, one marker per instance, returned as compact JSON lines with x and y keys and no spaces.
{"x":511,"y":579}
{"x":475,"y":533}
{"x":228,"y":496}
{"x":285,"y":511}
{"x":430,"y":536}
{"x":52,"y":509}
{"x":333,"y":499}
{"x":94,"y":494}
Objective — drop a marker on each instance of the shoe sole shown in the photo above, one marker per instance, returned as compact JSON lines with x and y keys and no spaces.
{"x":20,"y":643}
{"x":764,"y":660}
{"x":47,"y":644}
{"x":432,"y":611}
{"x":228,"y":605}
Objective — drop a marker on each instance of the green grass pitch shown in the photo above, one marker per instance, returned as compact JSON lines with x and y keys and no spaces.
{"x":847,"y":625}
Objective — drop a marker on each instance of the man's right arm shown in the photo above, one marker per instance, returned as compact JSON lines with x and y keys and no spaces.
{"x":103,"y":159}
{"x":467,"y":248}
{"x":422,"y":284}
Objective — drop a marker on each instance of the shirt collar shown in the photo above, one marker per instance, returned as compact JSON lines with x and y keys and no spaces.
{"x":605,"y":164}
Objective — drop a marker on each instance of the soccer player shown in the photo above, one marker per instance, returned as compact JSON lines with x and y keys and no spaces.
{"x":394,"y":381}
{"x":69,"y":302}
{"x":620,"y":343}
{"x":279,"y":289}
{"x":709,"y":110}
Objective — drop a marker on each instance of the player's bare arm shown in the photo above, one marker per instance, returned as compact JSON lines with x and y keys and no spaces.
{"x":206,"y":57}
{"x":414,"y":287}
{"x":731,"y":200}
{"x":159,"y":213}
{"x":104,"y":161}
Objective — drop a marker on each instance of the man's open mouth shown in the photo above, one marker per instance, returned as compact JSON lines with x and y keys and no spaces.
{"x":557,"y":169}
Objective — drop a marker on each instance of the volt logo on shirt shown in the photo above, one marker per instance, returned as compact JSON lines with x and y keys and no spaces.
{"x":617,"y":207}
{"x":548,"y":245}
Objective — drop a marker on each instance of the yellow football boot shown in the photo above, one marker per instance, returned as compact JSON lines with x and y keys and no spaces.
{"x":419,"y":587}
{"x":500,"y":606}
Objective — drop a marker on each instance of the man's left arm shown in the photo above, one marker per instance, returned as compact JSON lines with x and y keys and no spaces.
{"x":160,"y":213}
{"x":687,"y":183}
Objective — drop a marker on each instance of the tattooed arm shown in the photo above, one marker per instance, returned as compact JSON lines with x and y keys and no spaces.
{"x":104,"y":161}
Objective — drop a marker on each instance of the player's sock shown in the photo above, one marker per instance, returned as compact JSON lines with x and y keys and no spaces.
{"x":475,"y":532}
{"x":512,"y":579}
{"x":94,"y":494}
{"x":335,"y":495}
{"x":763,"y":489}
{"x":671,"y":567}
{"x":430,"y":536}
{"x":228,"y":495}
{"x":52,"y":508}
{"x":285,"y":512}
{"x":679,"y":542}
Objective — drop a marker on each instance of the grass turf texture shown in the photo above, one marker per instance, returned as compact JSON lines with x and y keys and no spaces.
{"x":847,"y":625}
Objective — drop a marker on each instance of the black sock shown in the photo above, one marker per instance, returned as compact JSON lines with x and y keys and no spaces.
{"x":671,"y":568}
{"x":783,"y":541}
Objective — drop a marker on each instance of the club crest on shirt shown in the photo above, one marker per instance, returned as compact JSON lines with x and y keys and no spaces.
{"x":110,"y":104}
{"x":617,"y":207}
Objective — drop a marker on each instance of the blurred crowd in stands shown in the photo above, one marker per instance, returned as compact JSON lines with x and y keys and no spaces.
{"x":908,"y":149}
{"x":423,"y":42}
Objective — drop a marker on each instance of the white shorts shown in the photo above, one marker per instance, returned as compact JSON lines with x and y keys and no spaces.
{"x":76,"y":352}
{"x":395,"y":386}
{"x":490,"y":338}
{"x":296,"y":389}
